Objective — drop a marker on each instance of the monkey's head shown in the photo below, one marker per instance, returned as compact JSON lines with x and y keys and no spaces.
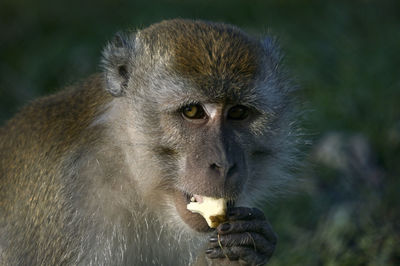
{"x":207,"y":113}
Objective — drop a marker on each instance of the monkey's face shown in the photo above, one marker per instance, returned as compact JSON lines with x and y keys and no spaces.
{"x":210,"y":145}
{"x":210,"y":109}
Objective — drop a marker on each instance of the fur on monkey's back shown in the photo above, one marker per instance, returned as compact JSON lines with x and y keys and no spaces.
{"x":33,"y":206}
{"x":50,"y":126}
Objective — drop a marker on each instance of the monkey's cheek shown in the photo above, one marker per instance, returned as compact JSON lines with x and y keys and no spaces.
{"x":194,"y":220}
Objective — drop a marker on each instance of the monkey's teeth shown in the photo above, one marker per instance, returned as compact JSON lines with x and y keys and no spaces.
{"x":192,"y":199}
{"x":198,"y":198}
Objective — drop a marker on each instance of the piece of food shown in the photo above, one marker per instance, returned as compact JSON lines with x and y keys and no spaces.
{"x":212,"y":209}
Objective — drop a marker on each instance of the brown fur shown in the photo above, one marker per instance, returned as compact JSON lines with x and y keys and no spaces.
{"x":216,"y":57}
{"x":33,"y":145}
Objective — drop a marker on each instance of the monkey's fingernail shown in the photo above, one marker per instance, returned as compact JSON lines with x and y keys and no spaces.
{"x":209,"y":251}
{"x":225,"y":227}
{"x":213,"y":239}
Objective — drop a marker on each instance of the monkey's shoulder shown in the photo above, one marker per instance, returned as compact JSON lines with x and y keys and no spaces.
{"x":56,"y":118}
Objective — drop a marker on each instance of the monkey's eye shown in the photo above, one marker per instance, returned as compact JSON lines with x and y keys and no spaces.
{"x":238,"y":112}
{"x":193,"y":111}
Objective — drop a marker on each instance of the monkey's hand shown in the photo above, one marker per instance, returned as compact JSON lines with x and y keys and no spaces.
{"x":245,"y":239}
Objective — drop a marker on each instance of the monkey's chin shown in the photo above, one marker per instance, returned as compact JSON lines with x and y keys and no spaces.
{"x":194,"y":220}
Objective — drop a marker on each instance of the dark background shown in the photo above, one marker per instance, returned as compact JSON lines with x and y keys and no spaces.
{"x":345,"y":56}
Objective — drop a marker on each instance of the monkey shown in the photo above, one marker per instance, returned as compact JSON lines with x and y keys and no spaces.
{"x":101,"y":172}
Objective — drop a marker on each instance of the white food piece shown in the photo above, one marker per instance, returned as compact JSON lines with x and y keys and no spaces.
{"x":212,"y":209}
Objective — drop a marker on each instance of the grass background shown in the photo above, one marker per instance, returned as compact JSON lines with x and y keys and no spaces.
{"x":346,"y":58}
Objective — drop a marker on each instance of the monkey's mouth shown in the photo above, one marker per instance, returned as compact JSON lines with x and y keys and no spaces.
{"x":199,"y":198}
{"x":194,"y":220}
{"x":193,"y":198}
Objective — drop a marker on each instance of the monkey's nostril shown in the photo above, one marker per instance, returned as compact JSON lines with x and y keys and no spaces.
{"x":224,"y":170}
{"x":216,"y":166}
{"x":232,"y":170}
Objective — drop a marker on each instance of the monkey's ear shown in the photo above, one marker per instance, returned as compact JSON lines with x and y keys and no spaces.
{"x":116,"y":63}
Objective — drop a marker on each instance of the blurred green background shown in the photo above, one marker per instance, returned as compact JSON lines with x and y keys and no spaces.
{"x":345,"y":56}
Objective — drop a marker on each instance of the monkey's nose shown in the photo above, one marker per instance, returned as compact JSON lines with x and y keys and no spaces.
{"x":224,"y":169}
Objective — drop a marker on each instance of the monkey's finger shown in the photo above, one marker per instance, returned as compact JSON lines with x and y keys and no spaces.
{"x":244,"y":213}
{"x":231,"y":253}
{"x":246,"y":256}
{"x":251,"y":240}
{"x":250,"y":257}
{"x":261,"y":227}
{"x":219,"y":253}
